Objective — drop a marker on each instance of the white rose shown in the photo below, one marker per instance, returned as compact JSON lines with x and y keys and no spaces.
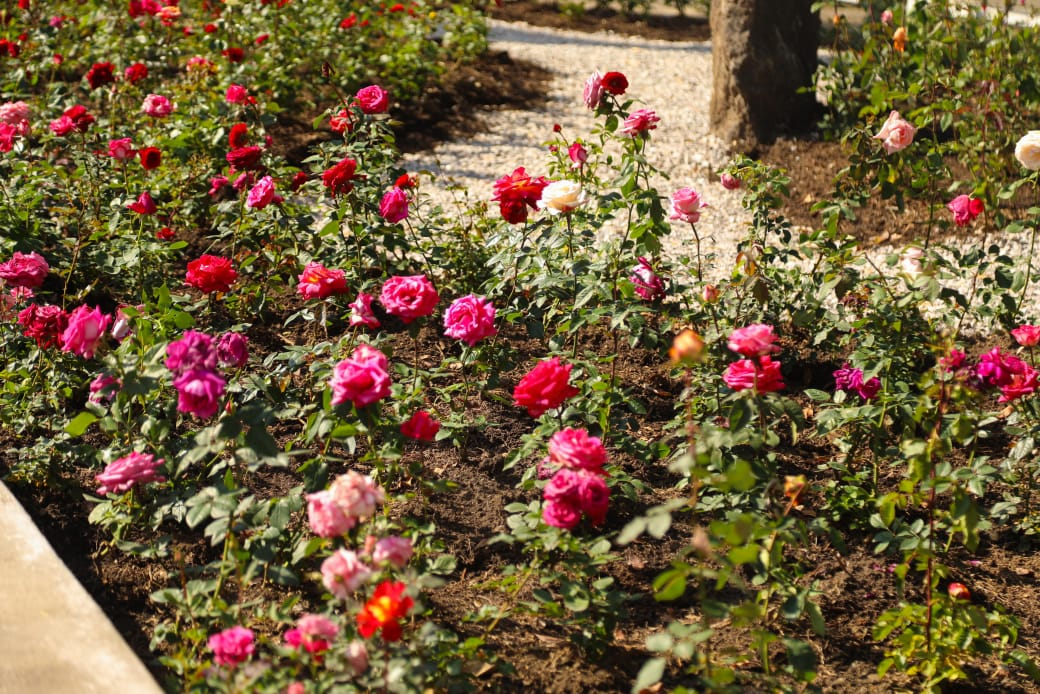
{"x":1027,"y":150}
{"x":561,"y":197}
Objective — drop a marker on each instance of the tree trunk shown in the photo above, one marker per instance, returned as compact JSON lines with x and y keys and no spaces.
{"x":763,"y":52}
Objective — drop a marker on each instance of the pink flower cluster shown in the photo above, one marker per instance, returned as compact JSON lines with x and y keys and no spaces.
{"x":130,"y":470}
{"x":851,"y":380}
{"x":193,"y":359}
{"x":313,"y":633}
{"x":232,"y":646}
{"x":577,"y":487}
{"x":350,"y":498}
{"x":758,"y":371}
{"x":1006,"y":372}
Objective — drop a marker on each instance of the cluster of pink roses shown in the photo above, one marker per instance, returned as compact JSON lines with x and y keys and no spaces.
{"x":14,"y":122}
{"x":758,"y":371}
{"x":1012,"y":376}
{"x":352,"y":497}
{"x":577,"y":487}
{"x":193,"y":359}
{"x":79,"y":332}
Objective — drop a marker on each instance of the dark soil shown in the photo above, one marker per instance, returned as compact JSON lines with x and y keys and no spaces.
{"x":855,"y":587}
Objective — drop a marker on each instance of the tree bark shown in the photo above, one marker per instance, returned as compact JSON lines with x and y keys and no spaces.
{"x":763,"y":53}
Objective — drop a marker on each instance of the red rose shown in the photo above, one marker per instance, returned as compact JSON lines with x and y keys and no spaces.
{"x":615,"y":83}
{"x":239,"y":136}
{"x":234,"y":55}
{"x":100,"y":74}
{"x":338,"y":178}
{"x":545,"y":387}
{"x":244,"y":157}
{"x":211,"y":273}
{"x":515,"y":192}
{"x":761,"y":375}
{"x":151,"y":157}
{"x":135,"y":73}
{"x":45,"y":324}
{"x":421,"y":426}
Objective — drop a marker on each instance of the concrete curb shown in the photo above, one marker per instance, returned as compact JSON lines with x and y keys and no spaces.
{"x":54,"y":637}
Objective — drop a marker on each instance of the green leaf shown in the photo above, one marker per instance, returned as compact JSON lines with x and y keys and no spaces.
{"x":669,"y":585}
{"x":79,"y":424}
{"x":802,"y":658}
{"x":649,"y":675}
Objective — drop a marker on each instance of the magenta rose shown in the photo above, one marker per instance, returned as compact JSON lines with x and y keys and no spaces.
{"x":233,"y":350}
{"x":84,"y":331}
{"x":470,"y":319}
{"x":326,"y":517}
{"x":408,"y":297}
{"x":851,"y":381}
{"x":373,"y":99}
{"x":24,"y":270}
{"x":130,"y":470}
{"x":545,"y":387}
{"x":762,"y":376}
{"x":319,"y":282}
{"x":103,"y":388}
{"x":639,"y":122}
{"x":199,"y":392}
{"x":156,"y":106}
{"x":574,"y":448}
{"x":394,"y":205}
{"x":232,"y":646}
{"x":193,"y":351}
{"x":965,"y":209}
{"x":648,"y":284}
{"x":343,"y":573}
{"x":594,"y":497}
{"x":753,"y":340}
{"x":561,"y":514}
{"x":236,"y":94}
{"x":262,"y":194}
{"x":420,"y":426}
{"x":362,"y":379}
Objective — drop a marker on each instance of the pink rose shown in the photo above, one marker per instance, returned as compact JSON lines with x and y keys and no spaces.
{"x":357,"y":657}
{"x":648,"y":284}
{"x":640,"y":121}
{"x":571,"y":493}
{"x":420,"y":426}
{"x":84,"y":331}
{"x":236,"y":94}
{"x":762,"y":376}
{"x":103,"y":388}
{"x":144,"y":204}
{"x":121,"y":149}
{"x":393,"y":550}
{"x":754,"y":340}
{"x":233,"y":350}
{"x":343,"y":573}
{"x":319,"y":282}
{"x":232,"y":646}
{"x":262,"y":194}
{"x":17,"y":114}
{"x":574,"y":448}
{"x":373,"y":99}
{"x":326,"y":517}
{"x":1022,"y":383}
{"x":361,"y":311}
{"x":709,"y":294}
{"x":394,"y":205}
{"x":896,"y":133}
{"x":545,"y":387}
{"x":594,"y":498}
{"x":729,"y":181}
{"x":193,"y":351}
{"x":577,"y":154}
{"x":470,"y":318}
{"x":1027,"y":335}
{"x":358,"y":495}
{"x":24,"y":270}
{"x":561,"y":514}
{"x":965,"y":209}
{"x":199,"y":392}
{"x":130,"y":470}
{"x":592,"y":95}
{"x":156,"y":106}
{"x":362,"y":379}
{"x":313,"y":633}
{"x":409,"y":297}
{"x":887,"y":17}
{"x":686,"y":205}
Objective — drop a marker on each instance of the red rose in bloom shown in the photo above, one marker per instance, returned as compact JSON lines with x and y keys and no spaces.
{"x":615,"y":83}
{"x":545,"y":387}
{"x":421,"y":426}
{"x":75,"y":118}
{"x":298,"y":179}
{"x":211,"y":273}
{"x":100,"y":74}
{"x":144,"y":204}
{"x":965,"y":209}
{"x":239,"y":136}
{"x":234,"y":55}
{"x":348,"y":22}
{"x":45,"y":324}
{"x":761,"y":375}
{"x":244,"y":158}
{"x":151,"y":157}
{"x":389,"y":604}
{"x":338,"y":178}
{"x":340,"y":122}
{"x":135,"y":73}
{"x":516,"y":192}
{"x":165,"y":234}
{"x":406,"y":181}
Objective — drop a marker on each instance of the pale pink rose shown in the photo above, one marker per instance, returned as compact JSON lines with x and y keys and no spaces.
{"x":343,"y":573}
{"x":887,"y":17}
{"x":24,"y":270}
{"x":470,"y":318}
{"x":16,"y":113}
{"x":262,"y":194}
{"x":896,"y":133}
{"x":362,"y":379}
{"x":84,"y":332}
{"x":357,"y":657}
{"x":232,"y":646}
{"x":130,"y":470}
{"x":640,"y":121}
{"x":394,"y":205}
{"x":326,"y":517}
{"x":156,"y":106}
{"x":709,"y":294}
{"x":361,"y":311}
{"x":753,"y":340}
{"x":313,"y":633}
{"x":729,"y":181}
{"x":574,"y":448}
{"x":592,"y":95}
{"x":373,"y":99}
{"x":561,"y":197}
{"x":199,"y":392}
{"x":393,"y":550}
{"x":408,"y":297}
{"x":121,"y":149}
{"x":358,"y":495}
{"x":236,"y":94}
{"x":686,"y":205}
{"x":1027,"y":335}
{"x":911,"y":261}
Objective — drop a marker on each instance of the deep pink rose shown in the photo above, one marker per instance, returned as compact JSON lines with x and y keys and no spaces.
{"x":144,"y":204}
{"x":313,"y":633}
{"x":392,"y":550}
{"x":233,"y":350}
{"x":594,"y":498}
{"x":156,"y":106}
{"x":199,"y":392}
{"x":574,"y":448}
{"x":572,"y":492}
{"x":753,"y":341}
{"x":1022,"y":382}
{"x":343,"y":573}
{"x":232,"y":646}
{"x":24,"y":270}
{"x":1027,"y":335}
{"x":362,"y":379}
{"x":851,"y":380}
{"x":121,"y":149}
{"x":236,"y":94}
{"x":561,"y":514}
{"x":394,"y":205}
{"x":470,"y":318}
{"x":262,"y":194}
{"x":729,"y":181}
{"x":648,"y":284}
{"x":122,"y":474}
{"x":326,"y":517}
{"x":193,"y":351}
{"x":408,"y":297}
{"x":358,"y":495}
{"x":965,"y":209}
{"x":84,"y":331}
{"x":762,"y":376}
{"x":640,"y":121}
{"x":686,"y":205}
{"x":319,"y":282}
{"x":420,"y":426}
{"x":896,"y":133}
{"x":103,"y":388}
{"x":545,"y":387}
{"x":361,"y":311}
{"x":211,"y":273}
{"x":373,"y":99}
{"x":577,"y":154}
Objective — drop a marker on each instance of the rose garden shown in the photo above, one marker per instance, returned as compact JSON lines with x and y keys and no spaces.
{"x":305,"y":426}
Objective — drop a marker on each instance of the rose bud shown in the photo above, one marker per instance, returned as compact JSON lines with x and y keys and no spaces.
{"x":959,"y":591}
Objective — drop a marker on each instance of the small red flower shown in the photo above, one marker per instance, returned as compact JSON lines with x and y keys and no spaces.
{"x":100,"y":74}
{"x":233,"y":54}
{"x":382,"y":612}
{"x":239,"y":136}
{"x":338,"y":179}
{"x":244,"y":158}
{"x":211,"y":273}
{"x":615,"y":83}
{"x":151,"y":157}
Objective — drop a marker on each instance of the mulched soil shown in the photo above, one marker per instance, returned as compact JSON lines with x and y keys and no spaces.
{"x":856,"y":586}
